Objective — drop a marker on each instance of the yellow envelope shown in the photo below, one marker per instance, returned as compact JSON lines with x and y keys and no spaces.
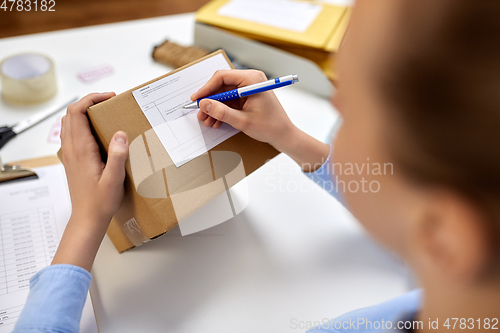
{"x":321,"y":34}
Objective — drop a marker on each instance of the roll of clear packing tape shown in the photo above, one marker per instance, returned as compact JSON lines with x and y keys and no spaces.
{"x":28,"y":78}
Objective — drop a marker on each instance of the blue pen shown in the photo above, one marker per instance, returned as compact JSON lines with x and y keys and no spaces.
{"x":249,"y":90}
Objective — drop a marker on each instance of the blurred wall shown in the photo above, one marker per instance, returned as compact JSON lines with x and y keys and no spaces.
{"x":79,"y":13}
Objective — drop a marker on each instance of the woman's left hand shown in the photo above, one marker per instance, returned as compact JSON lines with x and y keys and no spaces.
{"x":96,"y":188}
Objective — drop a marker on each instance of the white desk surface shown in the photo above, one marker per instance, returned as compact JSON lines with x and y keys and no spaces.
{"x":292,"y":256}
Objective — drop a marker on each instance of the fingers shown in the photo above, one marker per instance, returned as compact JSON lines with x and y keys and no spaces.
{"x":64,"y":140}
{"x":76,"y":123}
{"x":202,"y":115}
{"x":222,"y":113}
{"x":230,"y":77}
{"x":114,"y":171}
{"x":61,"y":133}
{"x":209,"y":121}
{"x":82,"y":105}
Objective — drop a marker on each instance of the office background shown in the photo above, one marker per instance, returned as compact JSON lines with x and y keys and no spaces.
{"x":73,"y":14}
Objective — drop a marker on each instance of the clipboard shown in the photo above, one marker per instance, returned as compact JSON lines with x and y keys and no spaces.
{"x":39,"y":162}
{"x":88,"y":319}
{"x":27,"y":174}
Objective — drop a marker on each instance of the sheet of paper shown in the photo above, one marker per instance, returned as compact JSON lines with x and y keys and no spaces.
{"x":181,"y":133}
{"x":283,"y":14}
{"x":33,"y":215}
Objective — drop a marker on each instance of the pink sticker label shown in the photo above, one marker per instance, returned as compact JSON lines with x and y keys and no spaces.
{"x":55,"y":132}
{"x":96,"y":73}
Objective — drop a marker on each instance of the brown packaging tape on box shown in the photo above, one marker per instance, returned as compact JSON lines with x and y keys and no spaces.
{"x":157,"y":194}
{"x":176,"y":55}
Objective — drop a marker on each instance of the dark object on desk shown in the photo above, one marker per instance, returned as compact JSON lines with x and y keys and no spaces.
{"x":6,"y":133}
{"x":10,"y":173}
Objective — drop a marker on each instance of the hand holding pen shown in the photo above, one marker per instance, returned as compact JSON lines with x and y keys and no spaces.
{"x":247,"y":91}
{"x":260,"y":116}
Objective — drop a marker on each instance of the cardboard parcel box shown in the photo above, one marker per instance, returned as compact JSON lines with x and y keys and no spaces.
{"x":158,"y":195}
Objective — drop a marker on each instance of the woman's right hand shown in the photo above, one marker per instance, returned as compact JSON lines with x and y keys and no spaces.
{"x":260,"y":116}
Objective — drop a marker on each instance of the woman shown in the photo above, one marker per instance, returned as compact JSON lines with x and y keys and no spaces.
{"x":419,"y":88}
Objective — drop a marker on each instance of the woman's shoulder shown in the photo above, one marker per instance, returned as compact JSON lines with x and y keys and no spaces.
{"x":390,"y":315}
